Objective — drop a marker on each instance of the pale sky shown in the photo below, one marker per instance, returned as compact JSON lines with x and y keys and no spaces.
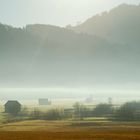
{"x":56,"y":12}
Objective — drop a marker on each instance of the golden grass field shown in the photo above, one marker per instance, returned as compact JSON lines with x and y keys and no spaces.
{"x":63,"y":130}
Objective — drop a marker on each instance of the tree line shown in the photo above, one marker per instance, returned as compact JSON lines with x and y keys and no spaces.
{"x":129,"y":111}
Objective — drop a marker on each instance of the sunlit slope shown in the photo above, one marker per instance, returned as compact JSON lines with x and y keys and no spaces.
{"x":119,"y":25}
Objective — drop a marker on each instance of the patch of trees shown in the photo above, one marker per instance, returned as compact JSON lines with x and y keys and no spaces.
{"x":128,"y":112}
{"x":101,"y":110}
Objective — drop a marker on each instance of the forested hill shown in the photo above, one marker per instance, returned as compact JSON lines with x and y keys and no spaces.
{"x":103,"y":50}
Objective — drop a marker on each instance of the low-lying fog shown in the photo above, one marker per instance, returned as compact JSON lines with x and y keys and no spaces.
{"x":65,"y":94}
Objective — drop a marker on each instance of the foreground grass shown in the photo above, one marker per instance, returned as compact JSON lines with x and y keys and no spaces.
{"x":79,"y":135}
{"x":71,"y":130}
{"x":72,"y":135}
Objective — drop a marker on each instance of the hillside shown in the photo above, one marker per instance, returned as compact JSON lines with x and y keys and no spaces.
{"x":102,"y":51}
{"x":119,"y":25}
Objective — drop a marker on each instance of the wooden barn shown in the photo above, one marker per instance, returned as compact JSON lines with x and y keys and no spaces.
{"x":12,"y":107}
{"x":44,"y":102}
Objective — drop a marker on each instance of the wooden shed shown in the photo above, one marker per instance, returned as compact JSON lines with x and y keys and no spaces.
{"x":44,"y":102}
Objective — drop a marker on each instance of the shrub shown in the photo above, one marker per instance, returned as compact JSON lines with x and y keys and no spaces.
{"x":81,"y":111}
{"x":36,"y":114}
{"x":53,"y":114}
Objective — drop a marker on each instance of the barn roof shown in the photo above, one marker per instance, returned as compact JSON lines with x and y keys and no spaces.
{"x":12,"y":102}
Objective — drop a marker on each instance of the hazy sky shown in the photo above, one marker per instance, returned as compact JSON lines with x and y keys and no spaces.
{"x":56,"y":12}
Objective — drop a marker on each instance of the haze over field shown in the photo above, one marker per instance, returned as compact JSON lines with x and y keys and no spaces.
{"x":100,"y":55}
